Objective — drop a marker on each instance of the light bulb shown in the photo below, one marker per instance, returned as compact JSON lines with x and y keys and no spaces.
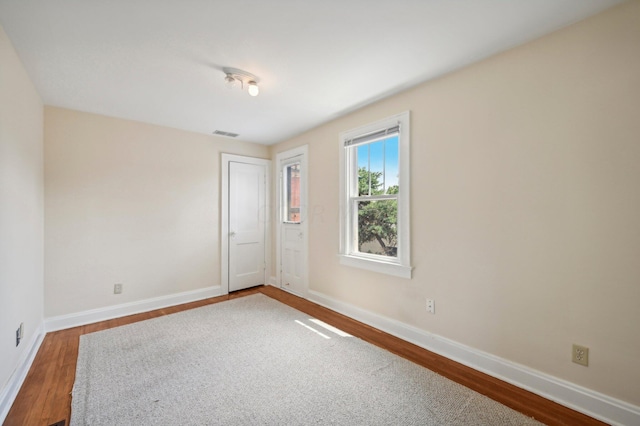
{"x":253,"y":88}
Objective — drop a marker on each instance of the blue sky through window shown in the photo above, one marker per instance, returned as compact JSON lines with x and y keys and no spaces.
{"x":381,"y":156}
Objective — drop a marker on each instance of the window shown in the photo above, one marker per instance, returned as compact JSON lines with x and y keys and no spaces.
{"x":374,"y":181}
{"x":291,"y":174}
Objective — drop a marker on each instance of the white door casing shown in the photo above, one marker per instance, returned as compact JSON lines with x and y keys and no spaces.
{"x":292,"y":232}
{"x":245,"y":222}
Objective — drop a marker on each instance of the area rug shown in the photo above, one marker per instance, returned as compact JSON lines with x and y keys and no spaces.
{"x":256,"y":361}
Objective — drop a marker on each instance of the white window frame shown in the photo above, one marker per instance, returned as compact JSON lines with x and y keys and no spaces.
{"x":349,"y":255}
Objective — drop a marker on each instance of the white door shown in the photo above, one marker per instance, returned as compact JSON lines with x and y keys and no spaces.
{"x":247,"y":210}
{"x":292,"y":234}
{"x":292,"y":222}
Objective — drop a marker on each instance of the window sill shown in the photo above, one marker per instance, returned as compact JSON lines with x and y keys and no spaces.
{"x":388,"y":268}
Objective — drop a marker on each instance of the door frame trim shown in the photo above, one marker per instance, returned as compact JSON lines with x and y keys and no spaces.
{"x":224,"y":215}
{"x":304,"y":204}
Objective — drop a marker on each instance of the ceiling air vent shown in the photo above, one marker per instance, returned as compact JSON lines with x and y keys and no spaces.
{"x":227,"y":134}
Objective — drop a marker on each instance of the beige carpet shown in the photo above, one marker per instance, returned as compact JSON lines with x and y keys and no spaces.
{"x":255,"y":361}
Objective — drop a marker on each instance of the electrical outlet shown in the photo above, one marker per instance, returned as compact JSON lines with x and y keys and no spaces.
{"x":431,"y":306}
{"x":117,"y":289}
{"x":580,"y":355}
{"x":21,"y":330}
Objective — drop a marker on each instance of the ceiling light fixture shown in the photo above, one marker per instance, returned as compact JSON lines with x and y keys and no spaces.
{"x":233,"y":75}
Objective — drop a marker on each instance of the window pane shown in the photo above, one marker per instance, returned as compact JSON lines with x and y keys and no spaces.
{"x":377,"y":228}
{"x":363,"y":169}
{"x":292,"y":190}
{"x":378,"y":167}
{"x":391,"y":172}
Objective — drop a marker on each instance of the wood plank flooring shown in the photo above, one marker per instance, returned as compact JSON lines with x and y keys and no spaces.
{"x":45,"y":396}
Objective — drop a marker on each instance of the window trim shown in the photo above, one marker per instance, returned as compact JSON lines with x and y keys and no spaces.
{"x":400,"y":266}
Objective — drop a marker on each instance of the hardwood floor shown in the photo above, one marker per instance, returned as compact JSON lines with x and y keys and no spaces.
{"x":45,"y":396}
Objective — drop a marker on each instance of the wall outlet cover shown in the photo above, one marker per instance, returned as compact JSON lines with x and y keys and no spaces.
{"x":580,"y":355}
{"x":431,"y":306}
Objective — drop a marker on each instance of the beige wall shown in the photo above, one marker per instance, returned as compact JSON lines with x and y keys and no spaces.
{"x":130,"y":203}
{"x":525,"y":205}
{"x":21,"y":209}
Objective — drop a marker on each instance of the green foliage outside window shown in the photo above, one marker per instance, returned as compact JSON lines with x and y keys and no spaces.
{"x":377,"y":220}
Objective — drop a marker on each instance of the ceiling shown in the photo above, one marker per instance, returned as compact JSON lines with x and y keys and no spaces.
{"x":160,"y":61}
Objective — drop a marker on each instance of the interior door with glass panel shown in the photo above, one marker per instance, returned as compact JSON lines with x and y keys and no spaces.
{"x":292,"y":235}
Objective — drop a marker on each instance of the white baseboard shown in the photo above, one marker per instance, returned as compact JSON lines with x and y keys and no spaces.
{"x":272,"y":281}
{"x":570,"y":395}
{"x":109,"y":312}
{"x":10,"y":391}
